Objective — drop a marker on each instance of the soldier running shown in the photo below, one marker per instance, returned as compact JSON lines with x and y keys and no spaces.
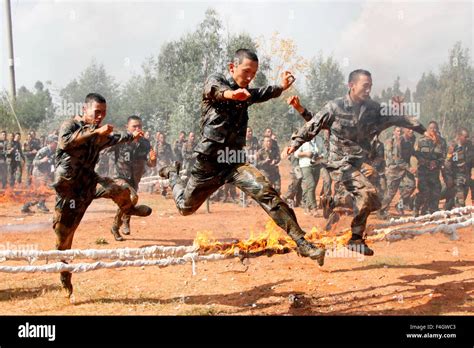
{"x":131,"y":160}
{"x":223,"y":128}
{"x":354,"y":122}
{"x":76,"y":183}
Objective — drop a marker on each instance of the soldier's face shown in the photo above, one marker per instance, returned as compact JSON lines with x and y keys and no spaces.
{"x":3,"y":136}
{"x":134,"y":125}
{"x":432,"y":128}
{"x":94,"y":113}
{"x":267,"y":143}
{"x":361,"y":88}
{"x":53,"y":146}
{"x":397,"y":132}
{"x":408,"y":132}
{"x":463,"y":137}
{"x":249,"y":133}
{"x":267,"y":133}
{"x":243,"y":73}
{"x":191,"y":137}
{"x":17,"y":137}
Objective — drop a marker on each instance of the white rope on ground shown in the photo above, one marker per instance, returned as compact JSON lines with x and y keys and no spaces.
{"x":94,"y":254}
{"x":443,"y":214}
{"x":86,"y":267}
{"x":456,"y":219}
{"x":399,"y":234}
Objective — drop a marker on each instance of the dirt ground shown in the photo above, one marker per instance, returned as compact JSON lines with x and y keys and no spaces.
{"x":428,"y":275}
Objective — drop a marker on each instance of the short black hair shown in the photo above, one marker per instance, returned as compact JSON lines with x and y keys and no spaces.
{"x":18,"y":133}
{"x":354,"y":75}
{"x":434,"y":122}
{"x":243,"y":53}
{"x":182,"y":132}
{"x":463,"y":130}
{"x":4,"y":131}
{"x":134,"y":117}
{"x":95,"y":97}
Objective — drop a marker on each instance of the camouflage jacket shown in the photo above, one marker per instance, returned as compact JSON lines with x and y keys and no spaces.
{"x":44,"y":167}
{"x":264,"y":159}
{"x":187,"y":151}
{"x":461,"y":160}
{"x":377,"y":157}
{"x":177,"y":148}
{"x":251,"y":149}
{"x":430,"y":156}
{"x":78,"y":152}
{"x":29,"y":148}
{"x":223,"y":121}
{"x":14,"y":152}
{"x":3,"y":153}
{"x":131,"y":159}
{"x":164,"y":153}
{"x":351,"y":133}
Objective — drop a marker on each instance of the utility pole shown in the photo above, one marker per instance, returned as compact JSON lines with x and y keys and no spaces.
{"x":11,"y":61}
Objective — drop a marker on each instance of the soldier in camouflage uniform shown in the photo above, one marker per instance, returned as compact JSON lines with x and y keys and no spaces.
{"x":76,"y":183}
{"x":187,"y":152}
{"x":131,"y":160}
{"x":353,"y":121}
{"x":398,"y":150}
{"x":377,"y":161}
{"x":3,"y":159}
{"x":459,"y":164}
{"x":42,"y":175}
{"x":30,"y":149}
{"x":223,"y":129}
{"x":163,"y":151}
{"x":431,"y":153}
{"x":178,"y":146}
{"x":294,"y":194}
{"x":268,"y":161}
{"x":14,"y":159}
{"x":251,"y":146}
{"x":268,"y":132}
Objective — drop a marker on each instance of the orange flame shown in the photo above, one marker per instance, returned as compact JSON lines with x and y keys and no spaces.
{"x":19,"y":194}
{"x":272,"y":240}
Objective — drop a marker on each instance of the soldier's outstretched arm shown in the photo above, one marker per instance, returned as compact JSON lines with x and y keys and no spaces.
{"x":319,"y":121}
{"x":114,"y":139}
{"x":410,"y":122}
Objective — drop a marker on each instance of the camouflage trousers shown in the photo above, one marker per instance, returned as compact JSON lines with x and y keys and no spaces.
{"x":72,"y":204}
{"x":207,"y":175}
{"x":326,"y":190}
{"x":120,"y":217}
{"x":396,"y":176}
{"x":14,"y":173}
{"x":295,"y":192}
{"x":3,"y":174}
{"x":29,"y":172}
{"x":429,"y":192}
{"x":456,"y":194}
{"x":364,"y":195}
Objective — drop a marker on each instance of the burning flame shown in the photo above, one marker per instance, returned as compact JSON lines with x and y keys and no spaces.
{"x":271,"y":241}
{"x":19,"y":194}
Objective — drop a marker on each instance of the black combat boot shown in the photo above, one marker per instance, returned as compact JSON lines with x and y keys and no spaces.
{"x":42,"y":207}
{"x":26,"y":208}
{"x":115,"y":232}
{"x":357,"y":244}
{"x":306,"y":249}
